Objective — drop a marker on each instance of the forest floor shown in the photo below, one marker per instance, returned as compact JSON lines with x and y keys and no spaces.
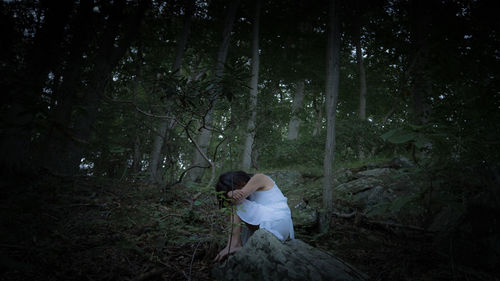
{"x":97,"y":229}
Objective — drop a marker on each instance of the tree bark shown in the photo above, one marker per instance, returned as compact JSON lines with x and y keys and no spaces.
{"x":293,"y":126}
{"x":247,"y":153}
{"x":203,"y":141}
{"x":136,"y":164}
{"x":319,"y":120}
{"x":156,"y":152}
{"x":159,"y":139}
{"x":362,"y":77}
{"x":332,"y":86}
{"x":419,"y":31}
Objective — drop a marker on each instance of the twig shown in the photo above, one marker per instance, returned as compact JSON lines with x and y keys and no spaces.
{"x":154,"y":115}
{"x":196,"y":196}
{"x":390,"y":224}
{"x":192,"y":259}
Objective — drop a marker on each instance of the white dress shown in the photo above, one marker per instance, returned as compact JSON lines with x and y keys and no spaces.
{"x":269,"y":210}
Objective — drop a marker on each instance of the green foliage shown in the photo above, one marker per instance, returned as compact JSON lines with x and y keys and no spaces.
{"x":413,"y":134}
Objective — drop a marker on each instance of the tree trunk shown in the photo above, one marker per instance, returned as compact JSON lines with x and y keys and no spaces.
{"x":156,"y":152}
{"x":203,"y":141}
{"x":319,"y":120}
{"x":159,"y":139}
{"x":420,"y":87}
{"x":247,"y":153}
{"x":332,"y":87}
{"x":293,"y":126}
{"x":362,"y":87}
{"x":362,"y":78}
{"x":136,"y":164}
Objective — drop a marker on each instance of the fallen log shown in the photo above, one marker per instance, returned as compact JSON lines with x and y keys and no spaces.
{"x":264,"y":257}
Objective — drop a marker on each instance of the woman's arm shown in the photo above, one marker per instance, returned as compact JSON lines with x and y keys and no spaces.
{"x":257,"y":182}
{"x":234,"y":239}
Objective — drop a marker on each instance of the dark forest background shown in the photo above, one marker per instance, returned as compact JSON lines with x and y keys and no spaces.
{"x":118,"y":116}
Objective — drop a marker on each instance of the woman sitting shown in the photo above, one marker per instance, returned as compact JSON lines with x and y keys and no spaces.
{"x":259,"y":204}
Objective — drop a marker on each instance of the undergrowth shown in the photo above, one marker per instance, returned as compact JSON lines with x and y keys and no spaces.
{"x":99,"y":229}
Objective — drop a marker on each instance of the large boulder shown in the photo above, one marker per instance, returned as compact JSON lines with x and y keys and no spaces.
{"x":264,"y":257}
{"x":287,"y":180}
{"x":374,"y":187}
{"x":362,"y":193}
{"x":358,"y":185}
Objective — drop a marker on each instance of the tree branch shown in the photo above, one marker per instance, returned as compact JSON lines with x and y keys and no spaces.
{"x":186,"y":128}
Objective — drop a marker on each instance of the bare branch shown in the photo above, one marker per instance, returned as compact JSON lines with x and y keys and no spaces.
{"x":217,"y":148}
{"x":186,"y":128}
{"x":154,"y":115}
{"x":184,"y":173}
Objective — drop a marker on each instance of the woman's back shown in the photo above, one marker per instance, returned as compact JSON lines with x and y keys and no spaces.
{"x":269,"y":196}
{"x":269,"y":210}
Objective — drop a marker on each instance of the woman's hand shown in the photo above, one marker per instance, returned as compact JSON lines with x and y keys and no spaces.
{"x":225,"y":252}
{"x":237,"y":195}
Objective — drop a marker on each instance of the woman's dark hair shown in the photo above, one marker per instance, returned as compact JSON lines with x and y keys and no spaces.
{"x":230,"y":181}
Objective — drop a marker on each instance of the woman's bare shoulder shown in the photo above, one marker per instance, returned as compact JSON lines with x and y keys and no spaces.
{"x":265,"y":182}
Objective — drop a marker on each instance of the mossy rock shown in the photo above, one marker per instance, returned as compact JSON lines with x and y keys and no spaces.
{"x":264,"y":257}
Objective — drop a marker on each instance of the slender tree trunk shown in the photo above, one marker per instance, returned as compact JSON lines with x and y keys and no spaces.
{"x":332,"y":86}
{"x":247,"y":153}
{"x":136,"y":164}
{"x":362,"y":87}
{"x":156,"y":157}
{"x":293,"y":126}
{"x":319,"y":120}
{"x":156,"y":152}
{"x":420,"y":88}
{"x":159,"y":139}
{"x":204,"y":138}
{"x":362,"y":78}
